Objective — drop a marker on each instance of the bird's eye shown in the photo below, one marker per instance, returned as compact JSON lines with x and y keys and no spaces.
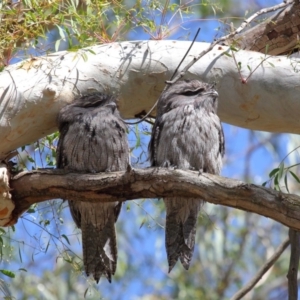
{"x":192,"y":92}
{"x":93,"y":103}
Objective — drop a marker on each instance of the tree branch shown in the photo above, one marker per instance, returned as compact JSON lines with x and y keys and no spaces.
{"x":279,"y":34}
{"x":294,"y":264}
{"x":270,"y":262}
{"x":33,"y":91}
{"x":37,"y":186}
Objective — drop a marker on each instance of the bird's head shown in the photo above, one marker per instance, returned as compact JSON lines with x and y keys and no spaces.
{"x":185,"y":92}
{"x":90,"y":103}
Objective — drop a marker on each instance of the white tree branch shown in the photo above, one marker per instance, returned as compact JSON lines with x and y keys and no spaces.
{"x":37,"y":186}
{"x":32,"y":92}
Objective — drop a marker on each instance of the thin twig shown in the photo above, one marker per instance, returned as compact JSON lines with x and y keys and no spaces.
{"x":229,"y":36}
{"x":187,"y":52}
{"x":294,"y":264}
{"x":270,"y":262}
{"x":144,"y":117}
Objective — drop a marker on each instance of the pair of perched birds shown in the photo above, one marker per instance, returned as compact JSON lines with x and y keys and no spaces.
{"x":187,"y":134}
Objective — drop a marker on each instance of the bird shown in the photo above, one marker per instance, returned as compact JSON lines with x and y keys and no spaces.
{"x":187,"y":134}
{"x":93,"y":138}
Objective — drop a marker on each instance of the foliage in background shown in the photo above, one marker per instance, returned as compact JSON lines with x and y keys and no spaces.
{"x":47,"y":26}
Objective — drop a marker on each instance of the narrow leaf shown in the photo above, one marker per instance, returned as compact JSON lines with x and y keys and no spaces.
{"x":227,"y":54}
{"x":20,"y":255}
{"x":295,"y":176}
{"x":286,"y":182}
{"x":56,"y":46}
{"x":85,"y":293}
{"x":47,"y":246}
{"x":66,"y":238}
{"x":8,"y":273}
{"x":276,"y":181}
{"x":273,"y":172}
{"x":281,"y":170}
{"x":61,"y":32}
{"x":22,"y":269}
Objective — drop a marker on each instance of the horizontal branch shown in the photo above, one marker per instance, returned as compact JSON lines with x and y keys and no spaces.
{"x":36,"y":186}
{"x":33,"y":91}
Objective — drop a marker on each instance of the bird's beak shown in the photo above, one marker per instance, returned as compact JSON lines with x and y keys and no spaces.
{"x":211,"y":93}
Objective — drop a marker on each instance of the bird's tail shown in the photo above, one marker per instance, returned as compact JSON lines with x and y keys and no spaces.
{"x":99,"y":239}
{"x":181,"y":223}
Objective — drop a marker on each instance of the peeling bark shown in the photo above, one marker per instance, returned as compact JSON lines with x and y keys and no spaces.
{"x":279,"y":34}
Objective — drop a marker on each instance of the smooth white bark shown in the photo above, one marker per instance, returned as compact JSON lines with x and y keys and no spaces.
{"x":33,"y":91}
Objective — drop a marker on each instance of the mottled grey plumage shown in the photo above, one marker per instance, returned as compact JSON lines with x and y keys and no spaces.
{"x":187,"y":134}
{"x":93,"y":139}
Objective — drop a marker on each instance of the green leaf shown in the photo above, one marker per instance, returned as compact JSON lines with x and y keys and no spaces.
{"x":20,"y":255}
{"x":85,"y":293}
{"x":295,"y":176}
{"x":48,"y":244}
{"x":277,"y":188}
{"x":66,"y":238}
{"x":281,"y":170}
{"x":239,"y":65}
{"x":276,"y":182}
{"x":273,"y":172}
{"x":30,"y":159}
{"x":8,"y":273}
{"x":84,"y":56}
{"x":22,"y":269}
{"x":61,"y":32}
{"x":46,"y":222}
{"x":286,"y":182}
{"x":68,"y":260}
{"x":227,"y":54}
{"x":91,"y":51}
{"x":56,"y":45}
